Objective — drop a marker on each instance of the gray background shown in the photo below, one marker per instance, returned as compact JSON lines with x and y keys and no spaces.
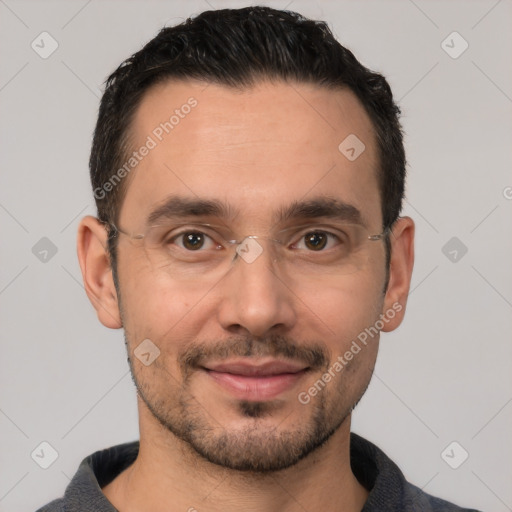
{"x":444,"y":376}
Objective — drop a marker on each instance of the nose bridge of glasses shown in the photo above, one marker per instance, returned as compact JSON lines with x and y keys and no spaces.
{"x":251,"y":247}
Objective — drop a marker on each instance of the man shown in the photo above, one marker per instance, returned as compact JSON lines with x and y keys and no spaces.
{"x":249,"y":175}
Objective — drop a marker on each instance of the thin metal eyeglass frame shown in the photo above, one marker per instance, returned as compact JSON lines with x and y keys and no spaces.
{"x":372,"y":238}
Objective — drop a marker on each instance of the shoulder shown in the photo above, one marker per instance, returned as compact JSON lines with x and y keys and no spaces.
{"x":53,"y":506}
{"x":389,"y":489}
{"x":84,"y":492}
{"x":417,"y":500}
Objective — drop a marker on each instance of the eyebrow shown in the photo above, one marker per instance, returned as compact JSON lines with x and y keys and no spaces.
{"x":176,"y":207}
{"x":325,"y":207}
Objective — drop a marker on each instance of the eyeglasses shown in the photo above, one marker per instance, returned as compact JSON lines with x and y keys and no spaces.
{"x":203,"y":251}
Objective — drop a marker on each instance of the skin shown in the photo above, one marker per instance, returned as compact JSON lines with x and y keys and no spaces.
{"x":256,"y":150}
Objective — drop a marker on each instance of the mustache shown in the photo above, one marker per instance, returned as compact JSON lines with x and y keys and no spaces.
{"x":314,"y":354}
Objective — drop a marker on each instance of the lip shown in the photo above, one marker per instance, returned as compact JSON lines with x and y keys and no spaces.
{"x":256,"y":380}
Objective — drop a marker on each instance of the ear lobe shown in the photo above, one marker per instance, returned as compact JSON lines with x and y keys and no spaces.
{"x":97,"y":272}
{"x":400,"y":271}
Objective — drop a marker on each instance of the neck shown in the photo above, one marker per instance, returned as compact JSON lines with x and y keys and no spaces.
{"x":168,"y":471}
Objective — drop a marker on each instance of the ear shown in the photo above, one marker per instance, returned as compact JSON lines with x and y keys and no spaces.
{"x":97,"y":272}
{"x":400,"y":271}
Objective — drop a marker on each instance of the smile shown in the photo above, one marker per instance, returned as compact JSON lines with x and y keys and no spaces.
{"x":249,"y":381}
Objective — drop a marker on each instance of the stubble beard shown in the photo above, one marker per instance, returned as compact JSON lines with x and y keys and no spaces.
{"x":256,"y":447}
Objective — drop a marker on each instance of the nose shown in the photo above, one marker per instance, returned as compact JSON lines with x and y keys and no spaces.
{"x":255,"y":297}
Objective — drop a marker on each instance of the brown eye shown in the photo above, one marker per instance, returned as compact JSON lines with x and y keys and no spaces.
{"x":193,"y":240}
{"x":316,"y":241}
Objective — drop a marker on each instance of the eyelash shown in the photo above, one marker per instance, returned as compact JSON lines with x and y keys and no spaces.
{"x":175,"y":237}
{"x":189,"y":231}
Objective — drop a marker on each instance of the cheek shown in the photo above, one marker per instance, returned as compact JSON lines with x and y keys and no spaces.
{"x":155,"y":308}
{"x":351,"y":312}
{"x":344,"y":310}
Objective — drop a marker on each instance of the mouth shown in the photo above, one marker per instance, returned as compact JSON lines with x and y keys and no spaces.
{"x":248,"y":379}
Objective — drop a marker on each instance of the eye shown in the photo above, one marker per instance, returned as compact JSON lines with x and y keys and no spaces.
{"x":316,"y":241}
{"x":193,"y":241}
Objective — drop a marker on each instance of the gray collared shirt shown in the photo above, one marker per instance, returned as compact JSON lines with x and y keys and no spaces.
{"x":389,"y":491}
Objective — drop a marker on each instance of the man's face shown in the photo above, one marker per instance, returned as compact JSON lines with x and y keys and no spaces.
{"x":238,"y":347}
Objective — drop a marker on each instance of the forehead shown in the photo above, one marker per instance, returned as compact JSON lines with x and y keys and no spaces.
{"x":256,"y":149}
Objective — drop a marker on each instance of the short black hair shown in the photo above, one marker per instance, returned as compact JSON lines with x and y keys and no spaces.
{"x":237,"y":48}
